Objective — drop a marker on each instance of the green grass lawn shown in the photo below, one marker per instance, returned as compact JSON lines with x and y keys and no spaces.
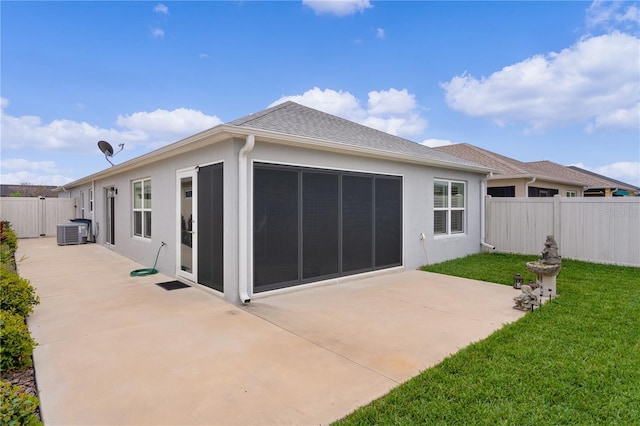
{"x":576,"y":360}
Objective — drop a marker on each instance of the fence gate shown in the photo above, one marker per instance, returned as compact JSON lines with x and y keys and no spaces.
{"x":33,"y":217}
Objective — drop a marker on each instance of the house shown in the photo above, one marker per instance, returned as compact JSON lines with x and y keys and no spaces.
{"x":537,"y":178}
{"x":27,"y":190}
{"x":285,"y":197}
{"x":603,"y":186}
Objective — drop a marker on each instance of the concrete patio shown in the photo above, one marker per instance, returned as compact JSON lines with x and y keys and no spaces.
{"x":120,"y":350}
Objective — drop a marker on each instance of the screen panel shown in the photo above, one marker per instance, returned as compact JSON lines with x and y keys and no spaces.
{"x":275,"y":227}
{"x":388,"y":222}
{"x":210,"y":227}
{"x":357,"y":223}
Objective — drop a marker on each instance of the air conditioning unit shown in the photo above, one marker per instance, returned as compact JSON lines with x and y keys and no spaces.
{"x":72,"y":233}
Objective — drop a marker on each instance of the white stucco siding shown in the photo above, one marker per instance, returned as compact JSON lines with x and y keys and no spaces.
{"x":164,"y":208}
{"x":417,"y":198}
{"x":417,"y":207}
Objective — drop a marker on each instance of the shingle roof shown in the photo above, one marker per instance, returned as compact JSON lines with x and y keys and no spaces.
{"x":612,"y":182}
{"x":28,"y":190}
{"x":294,"y":119}
{"x":504,"y":165}
{"x":545,"y":169}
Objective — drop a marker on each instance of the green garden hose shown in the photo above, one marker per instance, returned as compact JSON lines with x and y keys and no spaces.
{"x":148,"y":271}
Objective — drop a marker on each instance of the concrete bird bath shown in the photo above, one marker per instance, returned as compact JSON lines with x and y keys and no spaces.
{"x":547,"y":267}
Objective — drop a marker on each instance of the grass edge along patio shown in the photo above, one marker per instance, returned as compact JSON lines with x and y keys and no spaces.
{"x":576,"y":360}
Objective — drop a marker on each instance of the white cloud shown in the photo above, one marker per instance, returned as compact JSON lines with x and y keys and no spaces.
{"x":612,"y":14}
{"x":142,"y":128}
{"x":163,"y":124}
{"x":19,"y":170}
{"x":391,"y":101}
{"x":619,"y":118}
{"x":624,"y":171}
{"x":380,"y":33}
{"x":338,"y":7}
{"x":157,"y":32}
{"x":203,"y":56}
{"x":590,"y":83}
{"x":432,"y":143}
{"x":161,"y":8}
{"x":392,"y":111}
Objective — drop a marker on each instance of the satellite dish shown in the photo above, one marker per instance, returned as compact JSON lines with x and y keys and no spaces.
{"x":107,"y":150}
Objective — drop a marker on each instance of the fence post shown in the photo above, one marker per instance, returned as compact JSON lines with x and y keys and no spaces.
{"x":556,"y":218}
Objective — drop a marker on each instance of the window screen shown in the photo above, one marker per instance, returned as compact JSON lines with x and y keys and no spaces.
{"x":388,"y":230}
{"x":357,"y":223}
{"x":314,"y":224}
{"x":320,"y":227}
{"x":275,"y":227}
{"x":211,"y":226}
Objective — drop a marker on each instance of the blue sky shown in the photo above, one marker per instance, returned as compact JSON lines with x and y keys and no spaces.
{"x":556,"y":81}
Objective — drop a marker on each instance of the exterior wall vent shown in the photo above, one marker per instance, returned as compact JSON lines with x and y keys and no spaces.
{"x":72,"y":233}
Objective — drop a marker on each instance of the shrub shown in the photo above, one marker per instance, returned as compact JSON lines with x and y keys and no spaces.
{"x":16,"y":343}
{"x":17,"y":408}
{"x":8,"y":237}
{"x":17,"y":295}
{"x":8,"y":246}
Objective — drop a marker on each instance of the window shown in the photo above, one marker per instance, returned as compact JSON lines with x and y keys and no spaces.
{"x":542,"y":192}
{"x":572,"y":194}
{"x":142,"y":208}
{"x":448,"y":207}
{"x":91,"y":200}
{"x":82,"y":204}
{"x":502,"y":191}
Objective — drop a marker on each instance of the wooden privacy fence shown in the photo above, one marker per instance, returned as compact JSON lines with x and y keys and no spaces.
{"x":36,"y":217}
{"x":605,"y":230}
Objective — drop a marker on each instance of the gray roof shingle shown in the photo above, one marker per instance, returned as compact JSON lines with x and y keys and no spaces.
{"x":297,"y":120}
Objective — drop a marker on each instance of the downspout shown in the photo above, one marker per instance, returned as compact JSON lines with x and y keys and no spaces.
{"x":243,"y":220}
{"x":526,"y":187}
{"x":483,"y":207}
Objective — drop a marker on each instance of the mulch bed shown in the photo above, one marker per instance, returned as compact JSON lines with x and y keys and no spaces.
{"x":26,"y":379}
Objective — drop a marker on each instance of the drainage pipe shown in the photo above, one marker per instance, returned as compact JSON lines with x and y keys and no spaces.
{"x":243,"y":220}
{"x":483,"y":209}
{"x":526,"y":187}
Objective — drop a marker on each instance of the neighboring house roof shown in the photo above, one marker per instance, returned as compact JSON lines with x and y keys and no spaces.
{"x":294,"y":124}
{"x":510,"y":168}
{"x":28,"y":190}
{"x":611,"y":183}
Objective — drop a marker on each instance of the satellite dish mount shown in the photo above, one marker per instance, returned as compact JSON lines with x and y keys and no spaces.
{"x":107,"y":150}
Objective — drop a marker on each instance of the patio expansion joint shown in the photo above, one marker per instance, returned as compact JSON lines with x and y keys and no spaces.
{"x":325,"y":348}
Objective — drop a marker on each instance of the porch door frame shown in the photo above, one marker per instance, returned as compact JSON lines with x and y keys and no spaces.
{"x":184,"y":176}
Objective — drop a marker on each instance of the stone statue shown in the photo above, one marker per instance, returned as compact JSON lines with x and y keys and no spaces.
{"x":550,"y":254}
{"x":529,"y":297}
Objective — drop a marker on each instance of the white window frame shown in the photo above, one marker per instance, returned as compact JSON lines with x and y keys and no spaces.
{"x":143,"y":208}
{"x":571,"y":194}
{"x":450,"y":207}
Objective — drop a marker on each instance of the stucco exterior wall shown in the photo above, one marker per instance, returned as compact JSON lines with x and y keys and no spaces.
{"x":418,"y":197}
{"x":521,"y":185}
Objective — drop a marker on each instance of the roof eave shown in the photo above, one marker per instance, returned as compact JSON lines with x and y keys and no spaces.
{"x":184,"y":145}
{"x":222,"y":131}
{"x":540,"y":177}
{"x":293,"y":140}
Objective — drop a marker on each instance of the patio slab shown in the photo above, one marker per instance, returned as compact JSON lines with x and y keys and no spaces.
{"x":120,"y":350}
